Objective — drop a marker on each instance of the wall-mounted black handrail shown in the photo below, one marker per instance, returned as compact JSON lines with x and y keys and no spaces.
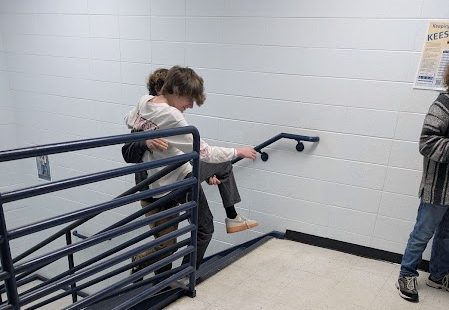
{"x":297,"y":138}
{"x":10,"y":270}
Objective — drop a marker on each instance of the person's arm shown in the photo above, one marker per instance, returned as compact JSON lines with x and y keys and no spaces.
{"x":133,"y":152}
{"x":434,"y":143}
{"x":209,"y":153}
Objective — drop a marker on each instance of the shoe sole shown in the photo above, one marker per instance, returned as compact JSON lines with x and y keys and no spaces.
{"x":405,"y":296}
{"x":234,"y":229}
{"x":432,"y":284}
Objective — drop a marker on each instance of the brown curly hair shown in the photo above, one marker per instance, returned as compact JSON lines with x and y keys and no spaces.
{"x":184,"y":81}
{"x":156,"y":81}
{"x":446,"y":78}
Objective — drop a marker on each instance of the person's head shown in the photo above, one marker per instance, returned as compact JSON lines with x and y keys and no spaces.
{"x":446,"y":78}
{"x":156,"y":81}
{"x":182,"y":88}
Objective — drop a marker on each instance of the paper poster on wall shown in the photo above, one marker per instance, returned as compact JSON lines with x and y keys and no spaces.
{"x":434,"y":57}
{"x":43,"y":167}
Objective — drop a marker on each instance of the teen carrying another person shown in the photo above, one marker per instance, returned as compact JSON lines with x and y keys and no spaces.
{"x":181,"y":89}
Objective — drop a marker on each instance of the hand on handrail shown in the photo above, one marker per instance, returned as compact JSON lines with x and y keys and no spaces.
{"x":246,"y":152}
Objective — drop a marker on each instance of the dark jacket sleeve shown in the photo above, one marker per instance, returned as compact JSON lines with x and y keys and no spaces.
{"x":133,"y":152}
{"x":434,"y":141}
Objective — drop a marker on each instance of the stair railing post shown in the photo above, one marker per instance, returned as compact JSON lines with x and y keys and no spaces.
{"x":7,"y":264}
{"x":68,"y":238}
{"x":195,"y":193}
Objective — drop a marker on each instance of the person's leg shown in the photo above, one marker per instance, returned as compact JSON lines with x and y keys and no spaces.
{"x":229,"y":194}
{"x":205,"y":228}
{"x":428,"y":218}
{"x":439,"y":261}
{"x":163,"y":232}
{"x":228,"y":187}
{"x":427,"y":221}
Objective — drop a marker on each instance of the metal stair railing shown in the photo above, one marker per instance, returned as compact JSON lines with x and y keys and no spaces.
{"x":15,"y":272}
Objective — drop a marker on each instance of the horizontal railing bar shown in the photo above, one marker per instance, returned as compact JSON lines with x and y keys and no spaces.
{"x":52,"y":256}
{"x":98,"y":295}
{"x":82,"y":274}
{"x":144,"y":210}
{"x":109,"y":252}
{"x":105,"y":206}
{"x":54,"y":186}
{"x":63,"y":147}
{"x":103,"y":277}
{"x":152,"y":178}
{"x":5,"y":306}
{"x":144,"y":282}
{"x":19,"y":283}
{"x":4,"y":275}
{"x":128,"y":304}
{"x":75,"y":224}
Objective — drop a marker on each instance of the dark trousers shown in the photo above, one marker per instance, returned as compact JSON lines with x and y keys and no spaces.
{"x":229,"y":195}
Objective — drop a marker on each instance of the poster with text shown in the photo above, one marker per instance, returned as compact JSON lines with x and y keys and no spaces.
{"x":434,"y":57}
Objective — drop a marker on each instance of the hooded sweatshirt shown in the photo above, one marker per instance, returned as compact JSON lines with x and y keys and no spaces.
{"x":152,"y":116}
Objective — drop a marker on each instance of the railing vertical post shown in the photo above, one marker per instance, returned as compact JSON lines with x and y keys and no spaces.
{"x":68,"y":238}
{"x":6,"y":260}
{"x":195,"y":193}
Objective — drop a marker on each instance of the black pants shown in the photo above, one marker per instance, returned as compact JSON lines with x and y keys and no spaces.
{"x":229,"y":194}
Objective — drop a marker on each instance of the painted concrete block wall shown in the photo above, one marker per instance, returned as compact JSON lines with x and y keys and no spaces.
{"x":8,"y":176}
{"x":341,"y":70}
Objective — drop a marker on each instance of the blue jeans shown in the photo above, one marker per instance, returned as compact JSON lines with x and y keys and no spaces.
{"x":432,"y":220}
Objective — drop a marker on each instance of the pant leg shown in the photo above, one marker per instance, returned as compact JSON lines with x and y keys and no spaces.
{"x":439,"y":261}
{"x":161,"y":233}
{"x":427,"y":221}
{"x":205,"y":228}
{"x":228,"y":188}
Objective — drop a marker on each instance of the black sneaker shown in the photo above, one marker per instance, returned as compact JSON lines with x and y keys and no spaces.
{"x":441,"y":284}
{"x":408,"y":288}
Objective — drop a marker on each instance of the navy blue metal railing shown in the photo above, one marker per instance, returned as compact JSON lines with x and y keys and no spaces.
{"x":17,"y":271}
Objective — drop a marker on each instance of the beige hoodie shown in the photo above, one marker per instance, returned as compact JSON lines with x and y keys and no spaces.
{"x":153,"y":116}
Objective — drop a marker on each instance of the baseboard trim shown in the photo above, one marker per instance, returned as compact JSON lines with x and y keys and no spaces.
{"x":349,"y":248}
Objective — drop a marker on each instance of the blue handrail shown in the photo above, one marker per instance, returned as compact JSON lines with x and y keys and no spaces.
{"x":13,"y":271}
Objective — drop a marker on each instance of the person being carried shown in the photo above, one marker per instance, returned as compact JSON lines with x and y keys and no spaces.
{"x":433,"y":212}
{"x":181,"y":89}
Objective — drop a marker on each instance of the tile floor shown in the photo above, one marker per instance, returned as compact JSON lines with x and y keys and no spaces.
{"x":289,"y":275}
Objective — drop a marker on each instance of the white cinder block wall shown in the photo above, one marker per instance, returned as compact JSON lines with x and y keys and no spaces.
{"x":342,"y":70}
{"x":8,"y":175}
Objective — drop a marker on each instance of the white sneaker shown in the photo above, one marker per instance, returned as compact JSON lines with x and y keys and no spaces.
{"x":240,"y":223}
